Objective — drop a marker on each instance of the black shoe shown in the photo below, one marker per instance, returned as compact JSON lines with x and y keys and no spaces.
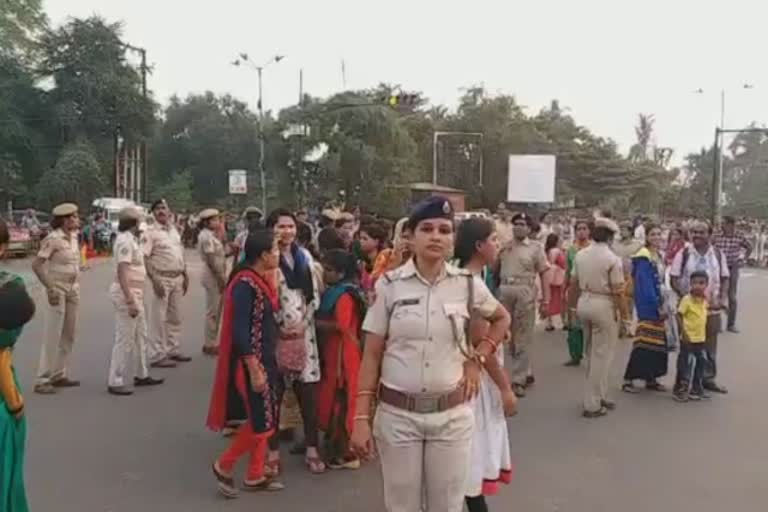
{"x":681,"y":396}
{"x":733,"y":330}
{"x":530,"y":380}
{"x":180,"y":358}
{"x":147,"y":381}
{"x":700,"y":396}
{"x":715,"y":388}
{"x":549,"y":328}
{"x":64,"y":382}
{"x":119,"y":391}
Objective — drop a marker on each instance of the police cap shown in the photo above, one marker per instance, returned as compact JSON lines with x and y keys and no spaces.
{"x":434,"y":207}
{"x":129,"y":213}
{"x":158,"y":203}
{"x":65,"y":210}
{"x":208,"y":213}
{"x":605,"y":222}
{"x":522,"y":216}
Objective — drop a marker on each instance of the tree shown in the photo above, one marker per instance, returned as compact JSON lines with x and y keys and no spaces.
{"x":20,"y":22}
{"x":206,"y":136}
{"x":26,"y":138}
{"x":76,"y":177}
{"x":96,"y":92}
{"x":177,"y":191}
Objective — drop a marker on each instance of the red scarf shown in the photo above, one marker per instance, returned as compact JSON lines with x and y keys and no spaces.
{"x":217,"y":410}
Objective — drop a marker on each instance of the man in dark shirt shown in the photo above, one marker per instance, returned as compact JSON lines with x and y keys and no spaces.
{"x":732,"y":245}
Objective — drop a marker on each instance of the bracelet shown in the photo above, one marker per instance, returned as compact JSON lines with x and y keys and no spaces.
{"x":362,"y":417}
{"x":366,"y":392}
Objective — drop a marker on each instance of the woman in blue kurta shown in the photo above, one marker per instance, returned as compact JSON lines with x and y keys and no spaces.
{"x":648,"y":361}
{"x":247,"y":378}
{"x":17,"y":309}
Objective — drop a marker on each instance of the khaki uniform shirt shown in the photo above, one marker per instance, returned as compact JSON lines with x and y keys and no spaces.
{"x":127,"y":250}
{"x":62,"y":253}
{"x":208,"y":244}
{"x":417,"y":319}
{"x":522,"y":260}
{"x":594,"y":266}
{"x":162,"y":246}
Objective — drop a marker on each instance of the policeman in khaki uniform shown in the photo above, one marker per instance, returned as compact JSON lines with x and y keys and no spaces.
{"x":520,"y":261}
{"x":61,"y":278}
{"x":596,"y":292}
{"x":167,"y":271}
{"x":214,"y":277}
{"x":128,"y":366}
{"x":421,"y":367}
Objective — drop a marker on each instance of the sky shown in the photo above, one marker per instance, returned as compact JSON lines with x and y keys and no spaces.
{"x":605,"y":60}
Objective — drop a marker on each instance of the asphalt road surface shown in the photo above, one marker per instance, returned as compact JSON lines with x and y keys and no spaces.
{"x":92,"y":452}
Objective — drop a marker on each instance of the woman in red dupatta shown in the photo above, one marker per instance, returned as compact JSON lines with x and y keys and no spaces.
{"x":339,"y":317}
{"x":247,"y":378}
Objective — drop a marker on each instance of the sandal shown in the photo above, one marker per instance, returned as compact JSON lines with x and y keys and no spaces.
{"x":226,"y":484}
{"x":315,"y":465}
{"x":628,"y":387}
{"x":263,"y":484}
{"x":272,"y":468}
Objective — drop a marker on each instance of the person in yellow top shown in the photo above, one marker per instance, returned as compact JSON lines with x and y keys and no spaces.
{"x":57,"y":266}
{"x":692,"y":318}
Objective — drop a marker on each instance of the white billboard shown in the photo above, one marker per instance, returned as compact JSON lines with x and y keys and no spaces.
{"x":238,"y":181}
{"x":531,"y":179}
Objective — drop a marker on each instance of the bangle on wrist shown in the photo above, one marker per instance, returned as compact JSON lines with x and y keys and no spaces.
{"x":366,"y":392}
{"x":362,"y":417}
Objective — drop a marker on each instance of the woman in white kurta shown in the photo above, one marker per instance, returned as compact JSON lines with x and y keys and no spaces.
{"x":476,"y":250}
{"x":297,"y":291}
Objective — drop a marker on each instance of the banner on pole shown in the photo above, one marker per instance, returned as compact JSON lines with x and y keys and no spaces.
{"x":238,"y":181}
{"x":531,"y":179}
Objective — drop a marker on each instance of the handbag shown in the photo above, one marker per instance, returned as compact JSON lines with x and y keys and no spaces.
{"x":291,"y":353}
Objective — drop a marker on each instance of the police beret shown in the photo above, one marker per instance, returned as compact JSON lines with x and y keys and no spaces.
{"x":65,"y":210}
{"x":605,"y":222}
{"x":434,"y":207}
{"x":252,"y":210}
{"x":129,"y":213}
{"x":208,"y":213}
{"x":158,"y":202}
{"x":522,"y":216}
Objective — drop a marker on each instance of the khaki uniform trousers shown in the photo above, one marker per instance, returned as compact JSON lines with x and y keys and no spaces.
{"x":165,"y":319}
{"x":601,"y":335}
{"x":212,"y":311}
{"x":520,"y":301}
{"x":129,"y":352}
{"x":424,"y":458}
{"x":60,"y":327}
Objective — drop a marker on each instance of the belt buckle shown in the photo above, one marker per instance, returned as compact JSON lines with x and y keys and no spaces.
{"x":426,"y":404}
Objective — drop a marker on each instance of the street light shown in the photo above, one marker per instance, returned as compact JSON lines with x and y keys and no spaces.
{"x":720,"y":131}
{"x":244,"y":59}
{"x":437,"y":135}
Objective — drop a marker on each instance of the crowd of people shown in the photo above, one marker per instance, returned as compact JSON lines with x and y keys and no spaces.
{"x":361,"y":329}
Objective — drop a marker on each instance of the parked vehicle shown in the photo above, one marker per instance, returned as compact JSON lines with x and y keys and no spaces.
{"x":20,"y":243}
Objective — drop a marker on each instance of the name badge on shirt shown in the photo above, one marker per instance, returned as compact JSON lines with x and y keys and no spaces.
{"x":407,"y":302}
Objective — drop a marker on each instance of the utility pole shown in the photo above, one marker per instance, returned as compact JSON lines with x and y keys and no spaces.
{"x":244,"y":59}
{"x":140,"y":183}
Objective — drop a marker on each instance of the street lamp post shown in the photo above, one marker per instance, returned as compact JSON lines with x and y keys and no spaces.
{"x":717,"y":178}
{"x":244,"y":59}
{"x":435,"y":138}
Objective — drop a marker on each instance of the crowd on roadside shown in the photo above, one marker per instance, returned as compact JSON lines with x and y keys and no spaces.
{"x":358,"y":327}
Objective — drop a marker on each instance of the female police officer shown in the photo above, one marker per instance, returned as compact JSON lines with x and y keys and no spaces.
{"x":423,"y":370}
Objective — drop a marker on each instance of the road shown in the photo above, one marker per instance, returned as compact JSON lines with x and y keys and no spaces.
{"x":92,"y":452}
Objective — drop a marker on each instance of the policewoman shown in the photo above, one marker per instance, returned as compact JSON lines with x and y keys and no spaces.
{"x":596,"y":292}
{"x":421,"y":368}
{"x":128,"y":366}
{"x":57,"y":266}
{"x":214,"y":276}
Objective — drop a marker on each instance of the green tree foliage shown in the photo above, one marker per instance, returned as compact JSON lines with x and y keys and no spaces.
{"x":76,"y":177}
{"x":206,"y":136}
{"x":745,"y":179}
{"x":177,"y":191}
{"x":20,"y":22}
{"x":96,"y":91}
